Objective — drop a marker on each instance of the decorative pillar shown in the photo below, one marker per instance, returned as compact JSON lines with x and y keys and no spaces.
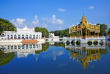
{"x":81,"y":32}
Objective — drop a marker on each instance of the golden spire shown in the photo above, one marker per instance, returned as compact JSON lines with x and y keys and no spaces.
{"x":83,"y":18}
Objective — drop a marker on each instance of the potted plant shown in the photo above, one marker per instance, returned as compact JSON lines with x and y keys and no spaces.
{"x":89,"y":43}
{"x":95,"y":42}
{"x":78,"y":42}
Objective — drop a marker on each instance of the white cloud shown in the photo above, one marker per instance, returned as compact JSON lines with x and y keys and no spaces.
{"x":36,"y":21}
{"x":54,"y":54}
{"x":91,"y":7}
{"x":62,"y":10}
{"x":53,"y":20}
{"x":19,"y":22}
{"x":51,"y":23}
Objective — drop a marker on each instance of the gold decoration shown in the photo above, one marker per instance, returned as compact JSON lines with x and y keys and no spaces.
{"x":92,"y":26}
{"x":74,"y":27}
{"x":71,"y":28}
{"x":88,"y":25}
{"x":97,"y":27}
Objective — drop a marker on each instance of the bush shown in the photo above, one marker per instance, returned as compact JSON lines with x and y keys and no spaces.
{"x":89,"y":43}
{"x":73,"y":42}
{"x":67,"y":42}
{"x":95,"y":42}
{"x":101,"y":43}
{"x":78,"y":42}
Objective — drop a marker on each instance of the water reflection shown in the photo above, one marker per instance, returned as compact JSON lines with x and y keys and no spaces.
{"x":84,"y":52}
{"x":58,"y":53}
{"x":6,"y":57}
{"x":9,"y":51}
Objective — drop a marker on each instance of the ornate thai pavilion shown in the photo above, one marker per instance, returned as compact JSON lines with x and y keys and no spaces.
{"x":84,"y":29}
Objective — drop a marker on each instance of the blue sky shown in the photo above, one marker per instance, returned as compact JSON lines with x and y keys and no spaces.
{"x":54,"y":14}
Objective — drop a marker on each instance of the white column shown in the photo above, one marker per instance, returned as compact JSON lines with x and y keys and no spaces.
{"x":32,"y":36}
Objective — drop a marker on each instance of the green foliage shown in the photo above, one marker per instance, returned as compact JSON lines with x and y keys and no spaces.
{"x":109,"y":31}
{"x":101,"y":43}
{"x":59,"y":44}
{"x":73,"y":42}
{"x":44,"y":48}
{"x":95,"y":42}
{"x":61,"y":33}
{"x":44,"y":31}
{"x":103,"y":29}
{"x":89,"y":43}
{"x":68,"y":49}
{"x":103,"y":51}
{"x":67,"y":42}
{"x":6,"y":57}
{"x":78,"y":42}
{"x":5,"y":25}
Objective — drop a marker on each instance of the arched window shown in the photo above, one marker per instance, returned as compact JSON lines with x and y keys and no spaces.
{"x":33,"y":36}
{"x":36,"y":36}
{"x":26,"y":36}
{"x":14,"y":36}
{"x":8,"y":37}
{"x":11,"y":36}
{"x":30,"y":36}
{"x":30,"y":46}
{"x":18,"y":36}
{"x":22,"y":36}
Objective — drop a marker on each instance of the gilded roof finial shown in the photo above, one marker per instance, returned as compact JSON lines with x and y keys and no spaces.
{"x":83,"y":15}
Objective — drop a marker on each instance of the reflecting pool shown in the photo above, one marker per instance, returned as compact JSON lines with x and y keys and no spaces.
{"x":54,"y":58}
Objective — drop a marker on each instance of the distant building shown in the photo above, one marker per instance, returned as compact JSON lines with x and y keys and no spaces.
{"x":53,"y":37}
{"x":24,"y":33}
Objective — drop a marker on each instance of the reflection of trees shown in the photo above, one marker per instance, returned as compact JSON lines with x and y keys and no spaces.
{"x":103,"y":51}
{"x":59,"y":44}
{"x":44,"y":48}
{"x":6,"y":57}
{"x":86,"y":55}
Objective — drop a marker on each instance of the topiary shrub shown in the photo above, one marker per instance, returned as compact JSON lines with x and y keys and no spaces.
{"x":89,"y":43}
{"x":73,"y":42}
{"x":78,"y":42}
{"x":101,"y":43}
{"x":95,"y":42}
{"x":67,"y":42}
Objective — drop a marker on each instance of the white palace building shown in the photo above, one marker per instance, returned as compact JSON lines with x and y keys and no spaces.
{"x":21,"y":34}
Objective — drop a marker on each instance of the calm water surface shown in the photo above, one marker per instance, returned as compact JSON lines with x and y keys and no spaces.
{"x":54,"y":58}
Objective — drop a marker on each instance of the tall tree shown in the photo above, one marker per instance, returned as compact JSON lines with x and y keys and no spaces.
{"x":5,"y":25}
{"x":103,"y":29}
{"x":61,"y":33}
{"x":44,"y":31}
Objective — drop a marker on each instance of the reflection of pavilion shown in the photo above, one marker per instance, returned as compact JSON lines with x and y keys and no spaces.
{"x":22,"y":50}
{"x":86,"y":54}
